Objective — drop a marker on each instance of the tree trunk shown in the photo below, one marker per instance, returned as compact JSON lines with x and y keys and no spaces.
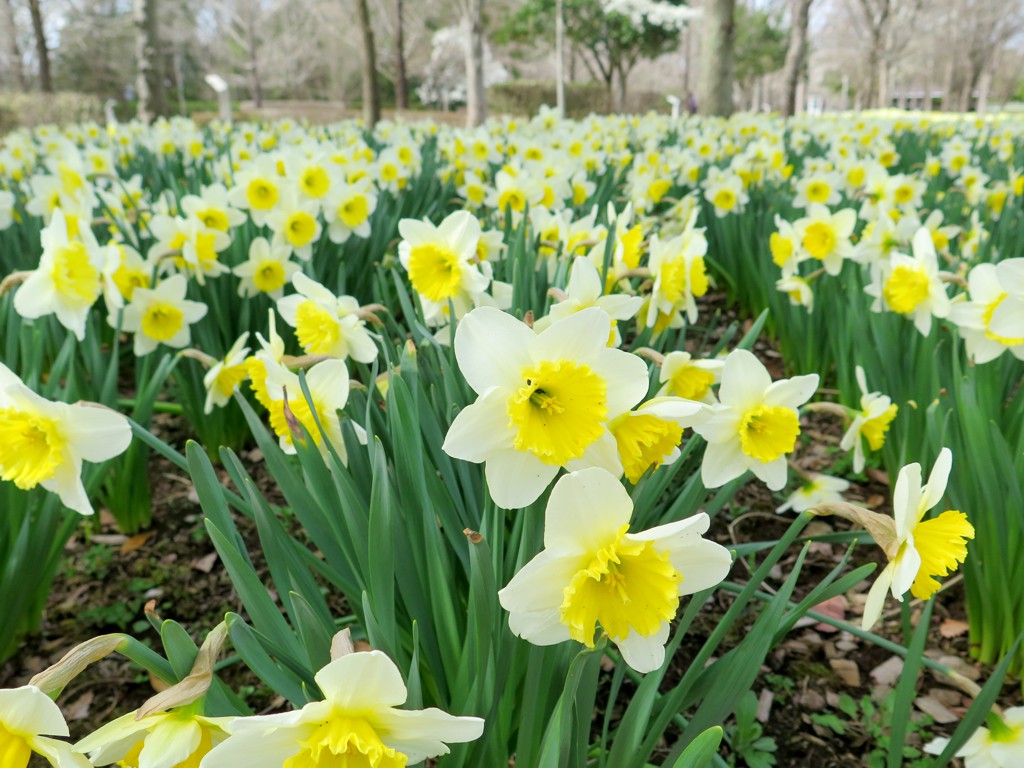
{"x":875,"y":54}
{"x":45,"y":81}
{"x":13,"y":49}
{"x":148,"y":80}
{"x":714,"y":88}
{"x":620,"y":92}
{"x":476,"y":89}
{"x":255,"y":84}
{"x":371,"y":86}
{"x":401,"y":83}
{"x":796,"y":53}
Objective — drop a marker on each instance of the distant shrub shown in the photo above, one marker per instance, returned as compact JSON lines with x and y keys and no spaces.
{"x":526,"y":97}
{"x":30,"y":109}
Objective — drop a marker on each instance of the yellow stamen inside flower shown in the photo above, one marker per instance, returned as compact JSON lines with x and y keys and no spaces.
{"x":435,"y":271}
{"x":512,"y":198}
{"x":903,"y":194}
{"x":874,"y":430}
{"x":818,"y":192}
{"x":905,"y":289}
{"x":819,"y":239}
{"x":206,"y":251}
{"x":31,"y":449}
{"x":257,"y":370}
{"x":940,"y":241}
{"x":767,"y":432}
{"x":942,"y":544}
{"x":302,"y":414}
{"x":658,"y":189}
{"x":214,"y":218}
{"x":127,"y":280}
{"x":631,"y":247}
{"x":559,"y":411}
{"x":986,"y":318}
{"x":698,"y":277}
{"x":269,"y":276}
{"x":644,"y":441}
{"x":315,"y":181}
{"x":261,"y":194}
{"x":346,"y":741}
{"x":673,"y":279}
{"x":354,"y":211}
{"x":14,"y":749}
{"x":74,"y":276}
{"x":229,"y":378}
{"x":725,"y":199}
{"x":317,"y":329}
{"x":781,"y":248}
{"x":691,"y":382}
{"x":162,"y":321}
{"x":300,"y":228}
{"x":627,"y":585}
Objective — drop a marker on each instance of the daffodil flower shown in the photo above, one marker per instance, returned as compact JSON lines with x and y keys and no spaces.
{"x":755,"y":425}
{"x":326,"y":324}
{"x":593,"y":571}
{"x":545,"y":400}
{"x":438,"y":259}
{"x":1001,"y":745}
{"x":585,"y":290}
{"x":919,"y":550}
{"x":25,"y":714}
{"x":44,"y":443}
{"x":818,"y":489}
{"x":683,"y":376}
{"x":161,"y":315}
{"x":358,"y":723}
{"x":912,"y":286}
{"x":870,"y":424}
{"x":175,"y":739}
{"x":223,"y":378}
{"x":67,"y":281}
{"x":650,"y":435}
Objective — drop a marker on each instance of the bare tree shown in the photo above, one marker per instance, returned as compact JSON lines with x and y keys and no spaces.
{"x":13,"y":48}
{"x":45,"y":80}
{"x":401,"y":81}
{"x":889,"y":25}
{"x":371,"y":85}
{"x":796,"y":53}
{"x":149,"y":84}
{"x":476,"y":87}
{"x":714,"y":88}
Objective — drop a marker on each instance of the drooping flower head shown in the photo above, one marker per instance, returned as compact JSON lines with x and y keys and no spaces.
{"x":593,"y":572}
{"x":919,"y":550}
{"x":870,"y":424}
{"x":44,"y":442}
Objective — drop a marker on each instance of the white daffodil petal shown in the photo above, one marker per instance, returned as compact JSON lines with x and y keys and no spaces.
{"x":27,"y":710}
{"x":491,"y":348}
{"x":366,"y":681}
{"x":517,"y":478}
{"x":585,"y":509}
{"x":171,"y":742}
{"x":423,"y":733}
{"x":644,"y":654}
